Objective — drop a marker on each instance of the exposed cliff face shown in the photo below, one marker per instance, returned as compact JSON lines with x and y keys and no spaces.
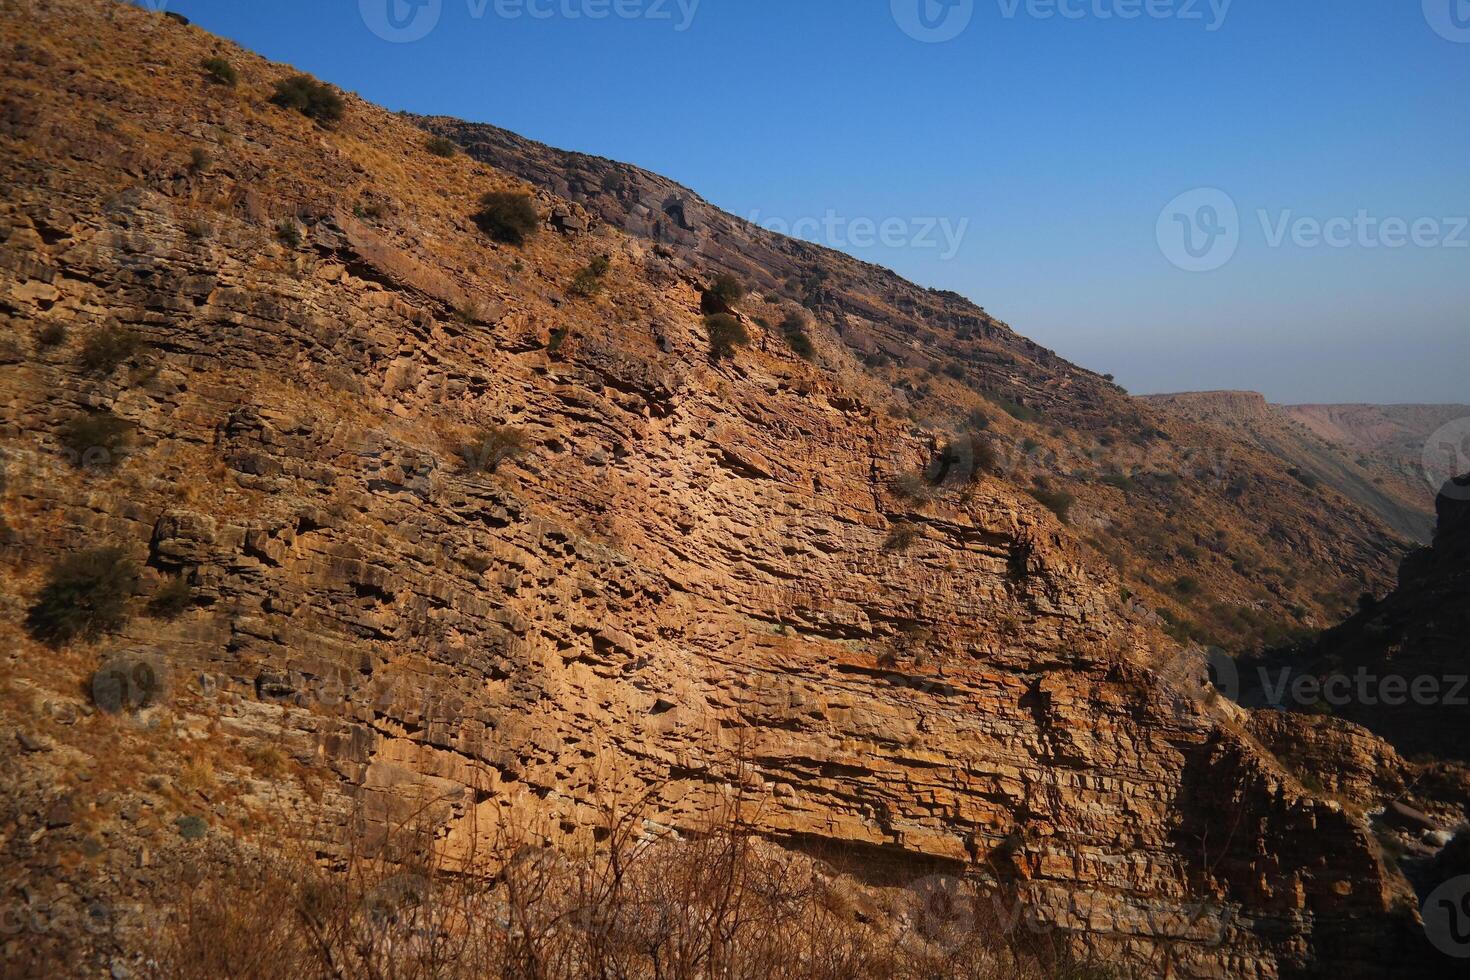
{"x":1371,"y":454}
{"x":1163,"y":498}
{"x":687,"y":567}
{"x":1221,"y":406}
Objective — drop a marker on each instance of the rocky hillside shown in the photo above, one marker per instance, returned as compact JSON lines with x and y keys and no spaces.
{"x":1371,"y":454}
{"x":1208,"y":527}
{"x":326,"y":506}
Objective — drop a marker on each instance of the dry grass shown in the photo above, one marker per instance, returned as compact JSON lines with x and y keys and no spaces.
{"x":642,"y":901}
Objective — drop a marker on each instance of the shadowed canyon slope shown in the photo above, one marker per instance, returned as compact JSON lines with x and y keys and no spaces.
{"x":250,"y":353}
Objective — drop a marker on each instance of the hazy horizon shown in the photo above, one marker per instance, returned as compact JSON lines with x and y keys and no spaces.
{"x":1042,"y":158}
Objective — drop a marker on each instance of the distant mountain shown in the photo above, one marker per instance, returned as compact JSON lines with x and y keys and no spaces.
{"x":1372,"y":454}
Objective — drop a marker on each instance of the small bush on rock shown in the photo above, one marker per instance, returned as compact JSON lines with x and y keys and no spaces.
{"x":107,"y":348}
{"x":220,"y":71}
{"x":589,"y":280}
{"x":901,"y":538}
{"x":793,"y":329}
{"x":725,"y":334}
{"x":1059,"y":502}
{"x":96,"y":439}
{"x":508,"y":216}
{"x":488,"y":448}
{"x":85,"y":596}
{"x":440,"y":146}
{"x":309,"y":97}
{"x":722,"y":294}
{"x":912,"y":487}
{"x":172,"y":600}
{"x":288,"y":233}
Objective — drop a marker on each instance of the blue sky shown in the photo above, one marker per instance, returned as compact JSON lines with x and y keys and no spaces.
{"x":1042,"y":143}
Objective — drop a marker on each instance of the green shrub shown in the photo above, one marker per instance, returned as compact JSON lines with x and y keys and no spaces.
{"x":556,"y":339}
{"x":801,"y":346}
{"x":488,"y":448}
{"x":220,"y":71}
{"x":901,"y":538}
{"x":200,"y":160}
{"x":978,"y":420}
{"x":108,"y":347}
{"x":288,"y":233}
{"x":51,"y":335}
{"x":441,"y":146}
{"x":911,"y":487}
{"x":722,"y":294}
{"x":612,"y":182}
{"x":508,"y":216}
{"x":469,"y":313}
{"x":172,"y":600}
{"x":368,"y":209}
{"x":97,"y":439}
{"x":1059,"y":502}
{"x":983,"y":456}
{"x":1186,"y":585}
{"x":1013,"y":408}
{"x":85,"y":596}
{"x":1120,"y":480}
{"x":309,"y":97}
{"x":1308,"y":480}
{"x":963,"y":459}
{"x":725,"y":334}
{"x":793,"y":329}
{"x":589,"y":281}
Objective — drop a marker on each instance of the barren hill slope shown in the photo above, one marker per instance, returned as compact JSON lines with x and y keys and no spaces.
{"x":263,"y":387}
{"x":1371,"y":454}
